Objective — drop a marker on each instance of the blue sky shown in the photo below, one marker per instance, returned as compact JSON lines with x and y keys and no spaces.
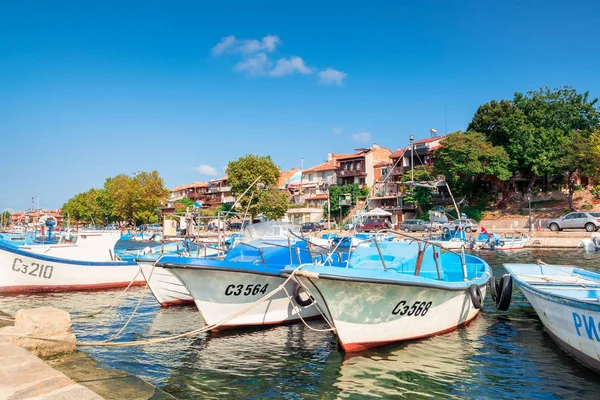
{"x":89,"y":91}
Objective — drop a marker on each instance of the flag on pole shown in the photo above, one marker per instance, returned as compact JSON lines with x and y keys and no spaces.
{"x":486,"y":232}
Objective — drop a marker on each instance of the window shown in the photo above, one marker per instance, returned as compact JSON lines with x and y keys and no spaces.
{"x":571,"y":216}
{"x":357,"y":165}
{"x":384,"y":171}
{"x":310,"y":177}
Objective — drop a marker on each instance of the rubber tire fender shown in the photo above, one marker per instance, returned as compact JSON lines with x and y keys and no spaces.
{"x":501,"y":243}
{"x":494,"y":288}
{"x":504,"y":293}
{"x":476,"y":296}
{"x":298,"y":299}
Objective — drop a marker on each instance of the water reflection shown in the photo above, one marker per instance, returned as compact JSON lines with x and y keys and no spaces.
{"x":499,"y":355}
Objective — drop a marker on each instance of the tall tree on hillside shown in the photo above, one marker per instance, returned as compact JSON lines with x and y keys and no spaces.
{"x":470,"y":155}
{"x":419,"y":196}
{"x":242,"y":172}
{"x":535,"y":129}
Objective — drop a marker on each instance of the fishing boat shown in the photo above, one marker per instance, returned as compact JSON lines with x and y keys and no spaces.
{"x":507,"y":241}
{"x":230,"y":287}
{"x":394,"y":291}
{"x":452,"y":240}
{"x":325,"y":240}
{"x":567,"y":300}
{"x":164,"y":285}
{"x":76,"y":262}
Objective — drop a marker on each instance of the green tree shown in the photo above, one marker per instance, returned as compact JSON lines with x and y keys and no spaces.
{"x":537,"y":128}
{"x":186,"y":202}
{"x":419,"y":196}
{"x":243,"y":172}
{"x":338,"y":192}
{"x":470,"y":155}
{"x":5,"y":218}
{"x":84,"y":207}
{"x":273,"y":204}
{"x":136,"y":198}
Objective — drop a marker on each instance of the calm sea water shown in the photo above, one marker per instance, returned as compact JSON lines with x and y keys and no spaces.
{"x":499,"y":355}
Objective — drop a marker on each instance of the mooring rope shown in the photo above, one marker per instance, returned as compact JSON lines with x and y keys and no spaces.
{"x":117,"y":299}
{"x":166,"y":338}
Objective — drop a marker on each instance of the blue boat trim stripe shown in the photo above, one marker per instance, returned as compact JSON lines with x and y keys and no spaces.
{"x":65,"y":260}
{"x":266,"y":272}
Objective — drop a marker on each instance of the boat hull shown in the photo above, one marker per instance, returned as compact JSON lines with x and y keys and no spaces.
{"x":165,"y":286}
{"x":367,"y":314}
{"x":220,"y":293}
{"x":23,"y":271}
{"x":575,"y":327}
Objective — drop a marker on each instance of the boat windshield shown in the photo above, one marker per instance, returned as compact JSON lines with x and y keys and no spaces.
{"x":271,"y":231}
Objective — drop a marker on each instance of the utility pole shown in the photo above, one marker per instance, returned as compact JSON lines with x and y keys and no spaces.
{"x":412,"y":158}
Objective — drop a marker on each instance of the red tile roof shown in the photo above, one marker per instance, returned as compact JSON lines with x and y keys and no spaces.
{"x":427,"y":140}
{"x":398,"y":153}
{"x":326,"y":166}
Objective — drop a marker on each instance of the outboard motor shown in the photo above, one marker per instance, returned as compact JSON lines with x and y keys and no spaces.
{"x":50,"y":225}
{"x":596,"y":242}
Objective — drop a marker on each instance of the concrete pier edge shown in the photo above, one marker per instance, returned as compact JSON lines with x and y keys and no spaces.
{"x":75,"y":376}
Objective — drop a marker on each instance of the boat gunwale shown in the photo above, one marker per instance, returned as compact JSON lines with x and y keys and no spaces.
{"x":481,"y":281}
{"x":552,"y":297}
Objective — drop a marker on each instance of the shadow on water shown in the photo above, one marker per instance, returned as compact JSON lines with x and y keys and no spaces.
{"x":498,"y":355}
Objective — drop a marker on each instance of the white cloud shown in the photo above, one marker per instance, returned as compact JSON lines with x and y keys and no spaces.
{"x":267,"y":44}
{"x":229,"y":44}
{"x":336,"y":131}
{"x":289,"y":66}
{"x":256,"y":65}
{"x":332,"y":76}
{"x":253,"y":59}
{"x":226,"y":43}
{"x":206,"y":170}
{"x":362,"y":137}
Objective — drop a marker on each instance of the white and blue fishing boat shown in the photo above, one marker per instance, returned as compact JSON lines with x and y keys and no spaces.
{"x":567,"y":300}
{"x":164,"y":285}
{"x":451,"y":240}
{"x":222,"y":288}
{"x":82,"y":261}
{"x":506,"y":241}
{"x":394,"y":291}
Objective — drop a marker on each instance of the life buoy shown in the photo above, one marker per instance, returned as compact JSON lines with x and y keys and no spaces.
{"x":304,"y":303}
{"x":493,"y":288}
{"x":504,"y":293}
{"x":476,"y":296}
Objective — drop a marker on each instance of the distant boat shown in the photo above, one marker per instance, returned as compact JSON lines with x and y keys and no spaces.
{"x":506,"y":242}
{"x":592,"y":244}
{"x":452,"y":240}
{"x":81,"y":261}
{"x":567,"y":301}
{"x":394,"y":291}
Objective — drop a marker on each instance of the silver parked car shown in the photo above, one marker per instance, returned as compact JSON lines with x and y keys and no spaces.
{"x":418,"y":225}
{"x":590,"y":221}
{"x":467,"y":224}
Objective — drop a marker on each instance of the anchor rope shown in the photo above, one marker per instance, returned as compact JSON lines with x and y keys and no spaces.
{"x":115,"y":301}
{"x":166,"y":338}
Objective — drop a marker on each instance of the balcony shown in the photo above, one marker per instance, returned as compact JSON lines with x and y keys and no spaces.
{"x":356,"y":172}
